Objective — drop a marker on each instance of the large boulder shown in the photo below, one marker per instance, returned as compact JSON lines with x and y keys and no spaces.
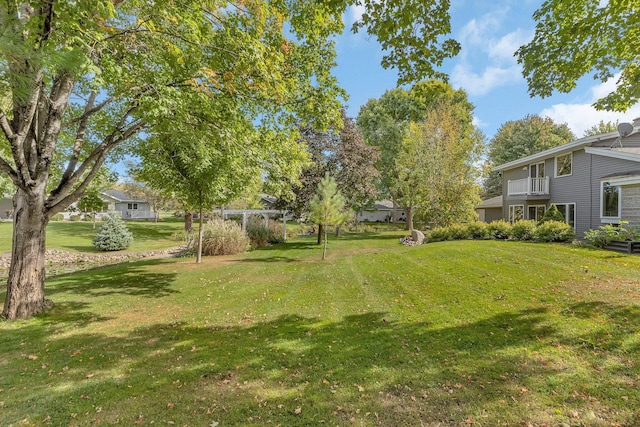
{"x":417,"y":236}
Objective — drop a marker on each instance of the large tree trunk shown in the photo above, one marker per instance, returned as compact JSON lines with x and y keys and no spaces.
{"x":188,"y":222}
{"x":409,"y":213}
{"x":25,"y":284}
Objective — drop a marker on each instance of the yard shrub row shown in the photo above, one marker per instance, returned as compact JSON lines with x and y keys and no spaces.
{"x":549,"y":231}
{"x":608,"y":233}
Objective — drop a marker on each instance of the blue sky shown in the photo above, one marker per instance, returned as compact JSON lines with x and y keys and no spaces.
{"x":489,"y":31}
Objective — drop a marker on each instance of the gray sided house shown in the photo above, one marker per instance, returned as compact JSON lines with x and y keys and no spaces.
{"x":593,"y":181}
{"x":128,"y":207}
{"x":6,"y":206}
{"x":490,"y":210}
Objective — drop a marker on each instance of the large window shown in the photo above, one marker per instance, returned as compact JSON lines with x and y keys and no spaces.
{"x":610,"y":201}
{"x":536,"y":212}
{"x":516,"y":213}
{"x":563,"y":164}
{"x":569,"y":212}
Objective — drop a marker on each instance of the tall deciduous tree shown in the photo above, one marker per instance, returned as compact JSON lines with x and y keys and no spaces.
{"x":520,"y":138}
{"x":581,"y":37}
{"x":385,"y":123}
{"x":104,"y":71}
{"x":601,"y":127}
{"x":91,"y":202}
{"x":327,"y":207}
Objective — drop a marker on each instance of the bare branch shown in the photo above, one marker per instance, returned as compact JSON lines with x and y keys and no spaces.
{"x":79,"y":140}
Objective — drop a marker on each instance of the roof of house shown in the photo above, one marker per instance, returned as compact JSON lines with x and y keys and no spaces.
{"x":626,"y":153}
{"x":494,"y":202}
{"x":121,"y":196}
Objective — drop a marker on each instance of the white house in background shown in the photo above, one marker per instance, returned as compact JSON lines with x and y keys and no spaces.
{"x":380,"y":211}
{"x":6,"y":207}
{"x":128,"y":207}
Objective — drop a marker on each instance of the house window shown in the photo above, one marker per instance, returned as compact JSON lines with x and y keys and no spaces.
{"x":516,"y":213}
{"x":132,"y":206}
{"x":536,"y":212}
{"x":569,"y":212}
{"x":610,"y":201}
{"x":563,"y":164}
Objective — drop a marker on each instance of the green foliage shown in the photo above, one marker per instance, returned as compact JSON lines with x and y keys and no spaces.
{"x":222,"y":237}
{"x":261,"y":235}
{"x":581,"y":37}
{"x":57,"y":217}
{"x":523,"y":230}
{"x":601,"y":128}
{"x":113,"y":234}
{"x":327,"y":206}
{"x":607,"y":233}
{"x":87,"y":217}
{"x":74,"y":217}
{"x":91,"y":201}
{"x":520,"y":138}
{"x":438,"y":234}
{"x":478,"y":230}
{"x":552,"y":214}
{"x":554,"y":231}
{"x":499,"y":229}
{"x":459,"y":232}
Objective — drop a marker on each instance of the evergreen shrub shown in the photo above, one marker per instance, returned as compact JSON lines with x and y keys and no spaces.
{"x":552,"y":214}
{"x":57,"y":217}
{"x":500,"y":230}
{"x":523,"y":230}
{"x":478,"y":230}
{"x":113,"y":234}
{"x":554,"y":231}
{"x":74,"y":218}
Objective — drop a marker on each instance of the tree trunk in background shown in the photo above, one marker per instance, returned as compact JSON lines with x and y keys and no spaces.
{"x":324,"y":248}
{"x":409,"y":213}
{"x":320,"y":231}
{"x":188,"y":222}
{"x":25,"y":284}
{"x":200,"y":224}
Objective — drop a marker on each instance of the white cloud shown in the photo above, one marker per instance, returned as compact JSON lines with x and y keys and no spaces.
{"x":480,"y":84}
{"x":353,"y":14}
{"x":506,"y":46}
{"x":581,"y":117}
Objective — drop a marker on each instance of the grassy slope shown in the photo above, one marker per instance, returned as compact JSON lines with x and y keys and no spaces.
{"x":457,"y":333}
{"x":77,"y":236}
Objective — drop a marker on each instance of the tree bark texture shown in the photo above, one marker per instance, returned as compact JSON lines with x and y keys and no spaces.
{"x":320,"y":231}
{"x":25,"y":284}
{"x":188,"y":222}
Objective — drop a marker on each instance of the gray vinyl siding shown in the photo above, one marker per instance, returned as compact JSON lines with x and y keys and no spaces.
{"x":631,"y":204}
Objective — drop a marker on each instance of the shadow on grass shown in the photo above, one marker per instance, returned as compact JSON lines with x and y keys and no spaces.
{"x":122,"y":279}
{"x":298,"y":371}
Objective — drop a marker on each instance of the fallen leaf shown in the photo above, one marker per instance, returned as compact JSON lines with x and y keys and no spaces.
{"x":32,"y":357}
{"x":298,"y":410}
{"x":470,"y":421}
{"x":139,"y":420}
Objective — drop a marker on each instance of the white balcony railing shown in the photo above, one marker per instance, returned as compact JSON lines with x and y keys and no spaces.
{"x":528,"y":186}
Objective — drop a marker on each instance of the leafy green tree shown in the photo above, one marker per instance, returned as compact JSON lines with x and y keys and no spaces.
{"x":91,"y":202}
{"x":327,"y":207}
{"x":520,"y":138}
{"x":581,"y":37}
{"x":552,"y":214}
{"x":385,"y":123}
{"x":113,"y":234}
{"x":601,"y":127}
{"x":436,"y":169}
{"x":81,"y":81}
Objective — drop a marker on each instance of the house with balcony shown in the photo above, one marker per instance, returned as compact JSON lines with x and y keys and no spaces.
{"x":592,"y":181}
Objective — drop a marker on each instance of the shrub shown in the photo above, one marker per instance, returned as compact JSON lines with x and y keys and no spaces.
{"x":478,"y":230}
{"x":57,"y":217}
{"x":459,"y":232}
{"x":439,"y":234}
{"x":554,"y":231}
{"x":523,"y":230}
{"x":113,"y":234}
{"x":552,"y":214}
{"x":221,"y":237}
{"x":605,"y":234}
{"x":499,"y":229}
{"x":88,"y":217}
{"x":74,"y":218}
{"x":261,"y":235}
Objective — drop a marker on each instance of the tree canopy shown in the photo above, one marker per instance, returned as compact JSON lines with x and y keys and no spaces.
{"x":580,"y":37}
{"x":521,"y":138}
{"x":601,"y":127}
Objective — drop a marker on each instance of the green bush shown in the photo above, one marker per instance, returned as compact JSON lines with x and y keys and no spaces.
{"x":57,"y":217}
{"x":221,"y":237}
{"x":552,"y":214}
{"x":523,"y":230}
{"x":459,"y":232}
{"x":74,"y":218}
{"x":478,"y":230}
{"x":113,"y":234}
{"x":88,"y":217}
{"x":554,"y":231}
{"x":439,"y":234}
{"x":605,"y":234}
{"x":261,"y":235}
{"x":499,"y":229}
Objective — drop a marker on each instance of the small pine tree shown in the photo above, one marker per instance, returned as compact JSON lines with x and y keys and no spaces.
{"x":113,"y":235}
{"x":552,"y":214}
{"x":327,"y":207}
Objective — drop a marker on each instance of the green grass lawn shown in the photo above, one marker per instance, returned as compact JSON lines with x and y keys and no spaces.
{"x":480,"y":333}
{"x":77,"y":236}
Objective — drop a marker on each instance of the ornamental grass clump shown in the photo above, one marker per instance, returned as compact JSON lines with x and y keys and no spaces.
{"x":220,"y":237}
{"x":113,"y":235}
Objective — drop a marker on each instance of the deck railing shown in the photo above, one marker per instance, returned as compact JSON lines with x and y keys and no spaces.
{"x":528,"y":186}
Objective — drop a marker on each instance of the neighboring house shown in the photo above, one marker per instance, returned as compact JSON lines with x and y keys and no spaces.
{"x":380,"y":211}
{"x":6,"y":207}
{"x":128,"y":207}
{"x":490,"y":210}
{"x":593,"y":181}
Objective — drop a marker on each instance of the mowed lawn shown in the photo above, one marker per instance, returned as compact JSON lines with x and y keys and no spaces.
{"x":480,"y":333}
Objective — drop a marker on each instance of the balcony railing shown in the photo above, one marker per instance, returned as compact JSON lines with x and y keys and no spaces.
{"x":528,"y":186}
